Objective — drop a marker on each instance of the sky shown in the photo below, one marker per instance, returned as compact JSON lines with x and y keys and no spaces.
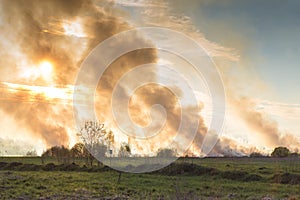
{"x":253,"y":44}
{"x":271,"y":31}
{"x":266,"y":37}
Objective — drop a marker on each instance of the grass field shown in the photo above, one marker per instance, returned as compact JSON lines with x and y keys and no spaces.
{"x":209,"y":178}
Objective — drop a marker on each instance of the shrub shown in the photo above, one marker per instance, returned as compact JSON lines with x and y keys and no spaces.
{"x":280,"y":152}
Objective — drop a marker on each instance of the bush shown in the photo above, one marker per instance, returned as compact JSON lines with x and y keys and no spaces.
{"x":166,"y":153}
{"x":280,"y":152}
{"x":256,"y":155}
{"x":240,"y":176}
{"x":12,"y":166}
{"x":287,"y":178}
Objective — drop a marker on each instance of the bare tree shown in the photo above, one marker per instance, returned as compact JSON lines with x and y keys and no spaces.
{"x":97,"y":139}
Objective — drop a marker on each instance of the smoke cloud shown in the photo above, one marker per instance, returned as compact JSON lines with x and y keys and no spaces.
{"x":263,"y":125}
{"x":34,"y":31}
{"x":64,"y":33}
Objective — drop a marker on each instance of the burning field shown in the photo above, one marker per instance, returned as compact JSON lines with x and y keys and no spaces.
{"x":42,"y":53}
{"x":212,"y":82}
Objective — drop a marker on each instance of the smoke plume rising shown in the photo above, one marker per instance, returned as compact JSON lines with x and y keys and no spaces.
{"x":34,"y":31}
{"x":64,"y":33}
{"x":263,"y":125}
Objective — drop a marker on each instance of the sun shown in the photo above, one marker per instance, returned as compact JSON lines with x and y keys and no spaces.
{"x":46,"y":67}
{"x":45,"y":70}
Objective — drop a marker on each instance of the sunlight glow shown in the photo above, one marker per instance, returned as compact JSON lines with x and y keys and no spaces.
{"x":33,"y":93}
{"x":45,"y":68}
{"x":73,"y":29}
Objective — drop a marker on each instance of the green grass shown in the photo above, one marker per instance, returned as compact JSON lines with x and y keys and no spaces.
{"x":72,"y":185}
{"x":100,"y":185}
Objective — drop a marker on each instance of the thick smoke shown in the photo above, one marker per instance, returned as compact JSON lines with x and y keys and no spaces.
{"x":152,"y":94}
{"x":263,"y":125}
{"x":229,"y":148}
{"x":26,"y":21}
{"x":33,"y":31}
{"x":168,"y":14}
{"x":11,"y":147}
{"x":142,"y":101}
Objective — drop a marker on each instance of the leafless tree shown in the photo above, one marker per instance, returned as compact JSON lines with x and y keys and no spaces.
{"x":97,"y":139}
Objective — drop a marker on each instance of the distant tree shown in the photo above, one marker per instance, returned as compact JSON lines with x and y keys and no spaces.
{"x":61,"y":153}
{"x":166,"y":153}
{"x":44,"y":155}
{"x":64,"y":155}
{"x":255,"y":155}
{"x":280,"y":152}
{"x":79,"y":152}
{"x":125,"y":150}
{"x":31,"y":153}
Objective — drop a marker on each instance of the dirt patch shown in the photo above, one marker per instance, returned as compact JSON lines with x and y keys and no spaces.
{"x":12,"y":166}
{"x":29,"y":167}
{"x":240,"y":176}
{"x":197,"y":170}
{"x":49,"y":167}
{"x":68,"y":167}
{"x":286,"y":178}
{"x":187,"y":169}
{"x":2,"y":164}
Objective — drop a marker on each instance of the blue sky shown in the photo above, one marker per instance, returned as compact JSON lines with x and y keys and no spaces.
{"x":265,"y":34}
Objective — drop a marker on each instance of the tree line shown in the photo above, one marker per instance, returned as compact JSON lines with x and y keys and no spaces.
{"x":80,"y":153}
{"x":98,"y":141}
{"x":278,"y":152}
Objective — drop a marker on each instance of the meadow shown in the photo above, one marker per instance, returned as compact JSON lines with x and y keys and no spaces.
{"x":187,"y":178}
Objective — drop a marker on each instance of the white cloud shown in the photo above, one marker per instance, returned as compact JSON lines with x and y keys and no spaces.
{"x":141,"y":3}
{"x":283,"y":110}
